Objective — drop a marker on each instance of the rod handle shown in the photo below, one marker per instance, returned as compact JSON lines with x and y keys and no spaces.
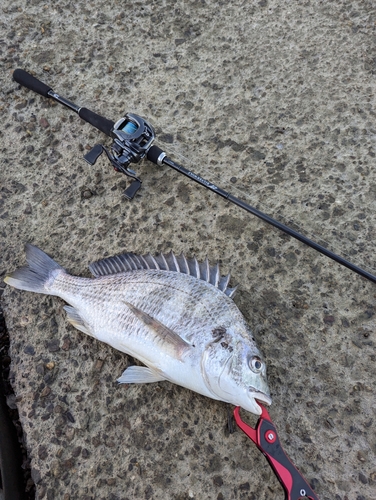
{"x":154,"y":153}
{"x":97,"y":121}
{"x":29,"y":81}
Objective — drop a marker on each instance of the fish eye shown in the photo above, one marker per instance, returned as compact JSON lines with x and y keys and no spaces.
{"x":255,"y":364}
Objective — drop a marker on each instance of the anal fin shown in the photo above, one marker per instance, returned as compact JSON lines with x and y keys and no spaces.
{"x":75,"y":319}
{"x":139,"y":375}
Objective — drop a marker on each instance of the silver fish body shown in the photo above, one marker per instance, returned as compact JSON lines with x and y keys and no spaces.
{"x":173,"y":314}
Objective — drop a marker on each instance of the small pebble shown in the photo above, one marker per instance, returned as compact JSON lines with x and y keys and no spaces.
{"x":98,"y":365}
{"x":53,"y":345}
{"x":76,"y":452}
{"x":70,"y":433}
{"x":362,"y":478}
{"x":217,"y":480}
{"x":66,"y":344}
{"x":329,"y":320}
{"x":245,"y":486}
{"x":70,"y":417}
{"x":42,"y":491}
{"x":68,"y":464}
{"x":43,"y":122}
{"x":330,"y":422}
{"x":24,"y":320}
{"x":46,"y":391}
{"x":361,"y":456}
{"x":21,"y":105}
{"x":29,"y":349}
{"x":87,"y":194}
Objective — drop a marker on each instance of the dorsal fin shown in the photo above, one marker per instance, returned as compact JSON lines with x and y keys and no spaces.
{"x":164,"y":262}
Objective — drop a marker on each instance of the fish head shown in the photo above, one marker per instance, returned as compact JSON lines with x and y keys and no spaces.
{"x":248,"y":369}
{"x":235,"y":372}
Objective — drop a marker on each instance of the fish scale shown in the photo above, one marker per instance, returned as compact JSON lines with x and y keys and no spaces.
{"x":174,"y":314}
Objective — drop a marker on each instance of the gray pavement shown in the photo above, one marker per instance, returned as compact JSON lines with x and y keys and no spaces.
{"x":275,"y":102}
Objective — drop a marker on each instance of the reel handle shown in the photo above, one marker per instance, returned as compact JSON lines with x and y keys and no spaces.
{"x":29,"y":81}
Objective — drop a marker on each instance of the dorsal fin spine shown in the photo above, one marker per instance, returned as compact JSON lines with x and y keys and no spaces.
{"x":155,"y":262}
{"x":223,"y":284}
{"x":146,"y":264}
{"x":185,"y":263}
{"x":207,"y":270}
{"x":217,"y":275}
{"x":134,"y":261}
{"x":230,"y":292}
{"x":108,"y":267}
{"x":197,"y":267}
{"x":164,"y":262}
{"x":116,"y":261}
{"x":130,"y":262}
{"x":138,"y":261}
{"x":176,"y":262}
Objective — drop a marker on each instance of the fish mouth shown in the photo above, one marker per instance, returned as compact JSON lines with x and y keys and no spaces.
{"x":260,"y":396}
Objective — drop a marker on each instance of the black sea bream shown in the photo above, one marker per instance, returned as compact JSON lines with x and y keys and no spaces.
{"x":173,"y":314}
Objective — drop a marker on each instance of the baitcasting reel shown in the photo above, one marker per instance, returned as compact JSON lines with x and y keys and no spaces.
{"x":133,"y":137}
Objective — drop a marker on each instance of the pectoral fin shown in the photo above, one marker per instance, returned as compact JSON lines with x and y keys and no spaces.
{"x":139,"y":375}
{"x":164,"y":335}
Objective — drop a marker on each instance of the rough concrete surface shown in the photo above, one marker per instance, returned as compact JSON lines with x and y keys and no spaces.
{"x":272,"y":100}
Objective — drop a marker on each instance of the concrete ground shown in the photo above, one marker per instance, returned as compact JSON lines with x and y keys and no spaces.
{"x":273,"y":101}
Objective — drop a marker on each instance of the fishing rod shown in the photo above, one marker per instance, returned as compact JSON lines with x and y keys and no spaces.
{"x":133,"y":139}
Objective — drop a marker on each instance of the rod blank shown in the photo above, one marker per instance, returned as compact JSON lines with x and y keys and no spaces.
{"x":266,"y":218}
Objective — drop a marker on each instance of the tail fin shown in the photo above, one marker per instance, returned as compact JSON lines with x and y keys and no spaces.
{"x":34,"y":276}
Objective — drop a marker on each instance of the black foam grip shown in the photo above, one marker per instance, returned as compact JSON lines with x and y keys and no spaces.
{"x":97,"y":121}
{"x":29,"y":81}
{"x":154,"y":153}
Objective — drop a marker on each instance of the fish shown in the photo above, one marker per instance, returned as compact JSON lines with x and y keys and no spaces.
{"x":174,"y":314}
